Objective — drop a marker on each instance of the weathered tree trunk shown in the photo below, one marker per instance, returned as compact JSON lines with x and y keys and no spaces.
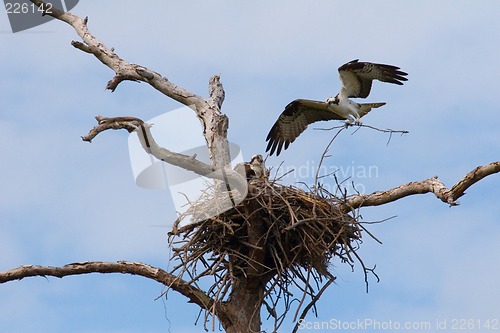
{"x":247,"y":292}
{"x":244,"y":307}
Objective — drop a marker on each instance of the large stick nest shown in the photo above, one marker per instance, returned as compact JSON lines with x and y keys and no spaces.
{"x":300,"y":232}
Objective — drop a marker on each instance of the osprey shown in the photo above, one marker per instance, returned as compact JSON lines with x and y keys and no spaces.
{"x":356,"y":78}
{"x":253,"y":169}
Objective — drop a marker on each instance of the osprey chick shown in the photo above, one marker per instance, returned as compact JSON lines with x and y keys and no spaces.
{"x":256,"y":168}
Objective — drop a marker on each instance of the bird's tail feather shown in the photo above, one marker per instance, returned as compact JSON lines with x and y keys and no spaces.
{"x":366,"y":107}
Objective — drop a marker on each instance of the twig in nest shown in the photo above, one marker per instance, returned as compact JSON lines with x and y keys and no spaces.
{"x":323,"y":156}
{"x":313,"y":303}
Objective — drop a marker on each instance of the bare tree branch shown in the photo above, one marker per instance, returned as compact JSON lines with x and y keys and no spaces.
{"x":431,"y":185}
{"x":313,"y":302}
{"x":214,"y":123}
{"x":473,"y":177}
{"x":123,"y":69}
{"x":347,"y":125}
{"x":194,"y":294}
{"x":228,"y":175}
{"x":216,"y":91}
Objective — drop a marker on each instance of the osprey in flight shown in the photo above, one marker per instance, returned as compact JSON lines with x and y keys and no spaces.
{"x":356,"y":78}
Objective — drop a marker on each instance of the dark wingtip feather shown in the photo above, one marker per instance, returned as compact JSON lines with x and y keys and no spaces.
{"x":273,"y":139}
{"x":394,"y":75}
{"x":278,"y":152}
{"x":269,"y":136}
{"x":269,"y":144}
{"x":275,"y":146}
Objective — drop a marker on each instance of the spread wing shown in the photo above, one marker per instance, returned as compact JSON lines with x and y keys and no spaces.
{"x":294,"y":120}
{"x":357,"y":77}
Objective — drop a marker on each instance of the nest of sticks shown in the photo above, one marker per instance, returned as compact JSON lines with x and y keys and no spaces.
{"x":299,"y":233}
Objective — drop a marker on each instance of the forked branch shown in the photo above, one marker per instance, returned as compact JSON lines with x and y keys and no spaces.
{"x":123,"y":69}
{"x":431,"y":185}
{"x":131,"y":124}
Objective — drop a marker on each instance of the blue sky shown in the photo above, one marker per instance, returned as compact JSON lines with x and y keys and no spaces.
{"x":64,"y":200}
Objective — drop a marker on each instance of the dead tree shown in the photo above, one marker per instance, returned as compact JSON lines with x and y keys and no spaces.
{"x":277,"y":238}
